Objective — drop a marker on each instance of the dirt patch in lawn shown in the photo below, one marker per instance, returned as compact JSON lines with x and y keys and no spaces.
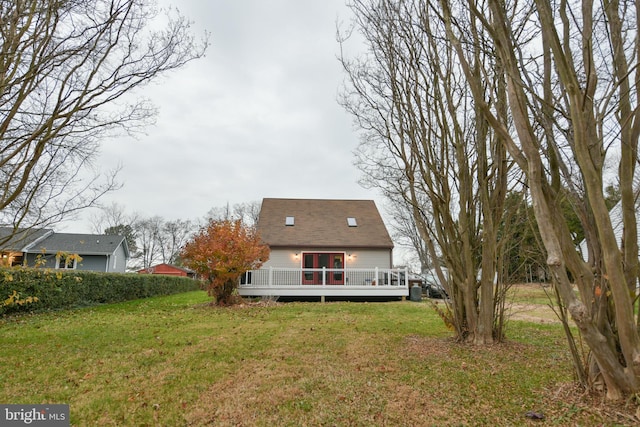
{"x":530,"y":302}
{"x":533,"y":313}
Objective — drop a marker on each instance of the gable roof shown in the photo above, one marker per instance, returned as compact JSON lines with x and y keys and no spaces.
{"x":81,"y":244}
{"x":322,"y":223}
{"x":18,"y":240}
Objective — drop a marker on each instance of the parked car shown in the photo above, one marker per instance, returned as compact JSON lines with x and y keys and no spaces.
{"x":432,"y":287}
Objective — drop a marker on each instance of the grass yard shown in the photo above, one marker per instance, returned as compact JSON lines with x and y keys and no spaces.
{"x":175,"y":361}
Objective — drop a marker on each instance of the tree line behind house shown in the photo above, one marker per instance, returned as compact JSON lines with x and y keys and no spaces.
{"x":156,"y":240}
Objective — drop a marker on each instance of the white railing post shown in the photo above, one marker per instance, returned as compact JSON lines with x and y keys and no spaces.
{"x":268,"y":276}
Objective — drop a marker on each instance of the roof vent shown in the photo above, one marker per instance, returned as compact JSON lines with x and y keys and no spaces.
{"x":289,"y":221}
{"x":352,"y":222}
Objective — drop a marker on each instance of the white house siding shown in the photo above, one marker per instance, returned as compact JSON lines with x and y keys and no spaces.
{"x":615,"y":215}
{"x":370,"y":258}
{"x":282,"y":258}
{"x":355,"y":258}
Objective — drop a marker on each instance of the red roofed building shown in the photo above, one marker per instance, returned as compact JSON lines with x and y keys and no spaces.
{"x":167,"y":269}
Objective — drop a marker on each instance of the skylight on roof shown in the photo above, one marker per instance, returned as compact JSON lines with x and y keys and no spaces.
{"x":289,"y":221}
{"x":352,"y":222}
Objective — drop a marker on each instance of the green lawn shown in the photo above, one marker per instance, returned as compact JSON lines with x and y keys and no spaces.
{"x":177,"y":361}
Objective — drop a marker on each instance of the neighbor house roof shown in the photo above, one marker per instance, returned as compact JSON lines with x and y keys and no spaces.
{"x":82,"y":244}
{"x":18,"y":239}
{"x":322,"y":223}
{"x":164,"y":266}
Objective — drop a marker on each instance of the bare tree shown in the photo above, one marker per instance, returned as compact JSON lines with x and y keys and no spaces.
{"x":150,"y":249}
{"x":113,"y":219}
{"x":172,"y":238}
{"x":404,"y":230}
{"x":424,"y":141}
{"x":572,"y":79}
{"x":247,"y":212}
{"x":151,"y":240}
{"x":67,"y":72}
{"x":110,"y":216}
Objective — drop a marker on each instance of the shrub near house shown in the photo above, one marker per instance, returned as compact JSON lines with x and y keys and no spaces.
{"x":51,"y":289}
{"x":221,"y":253}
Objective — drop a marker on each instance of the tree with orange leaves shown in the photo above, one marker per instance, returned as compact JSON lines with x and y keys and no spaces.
{"x":221,"y":252}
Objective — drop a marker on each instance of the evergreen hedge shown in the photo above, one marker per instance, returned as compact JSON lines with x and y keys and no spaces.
{"x":55,"y":289}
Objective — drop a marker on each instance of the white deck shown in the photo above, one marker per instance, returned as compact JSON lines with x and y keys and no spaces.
{"x":325,"y":282}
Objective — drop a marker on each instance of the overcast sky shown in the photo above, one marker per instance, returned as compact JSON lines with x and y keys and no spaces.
{"x":257,"y":117}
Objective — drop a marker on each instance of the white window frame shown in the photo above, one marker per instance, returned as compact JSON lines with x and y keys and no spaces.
{"x":65,"y":266}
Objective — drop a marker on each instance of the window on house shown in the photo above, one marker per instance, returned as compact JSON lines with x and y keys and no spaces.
{"x":66,"y":263}
{"x":289,"y":221}
{"x":351,"y":221}
{"x":11,"y":259}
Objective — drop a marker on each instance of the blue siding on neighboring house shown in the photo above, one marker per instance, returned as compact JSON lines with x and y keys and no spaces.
{"x":118,"y":261}
{"x":89,"y":262}
{"x":94,"y":263}
{"x":100,"y":263}
{"x":102,"y":253}
{"x":40,"y":260}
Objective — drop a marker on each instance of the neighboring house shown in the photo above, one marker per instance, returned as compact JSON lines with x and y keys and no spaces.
{"x":315,"y":243}
{"x":47,"y":249}
{"x":167,"y":269}
{"x":13,"y":243}
{"x":615,"y":215}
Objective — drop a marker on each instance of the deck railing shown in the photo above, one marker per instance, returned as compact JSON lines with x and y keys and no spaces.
{"x":348,"y":277}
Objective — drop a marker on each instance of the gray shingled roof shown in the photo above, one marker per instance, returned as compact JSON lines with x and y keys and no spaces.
{"x":21,"y":238}
{"x":82,"y":244}
{"x":322,"y":223}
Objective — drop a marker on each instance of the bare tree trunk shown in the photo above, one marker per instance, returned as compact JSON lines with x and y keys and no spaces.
{"x":612,"y":338}
{"x":410,"y":99}
{"x":629,"y":134}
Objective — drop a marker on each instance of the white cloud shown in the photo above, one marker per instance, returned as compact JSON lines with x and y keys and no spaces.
{"x":257,"y":117}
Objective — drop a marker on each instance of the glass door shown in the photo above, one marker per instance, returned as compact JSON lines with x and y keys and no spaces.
{"x":314,"y":262}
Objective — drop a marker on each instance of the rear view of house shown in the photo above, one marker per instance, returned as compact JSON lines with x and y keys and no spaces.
{"x":325,"y":248}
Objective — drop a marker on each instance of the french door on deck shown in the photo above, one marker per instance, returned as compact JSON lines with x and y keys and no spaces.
{"x":319,"y":260}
